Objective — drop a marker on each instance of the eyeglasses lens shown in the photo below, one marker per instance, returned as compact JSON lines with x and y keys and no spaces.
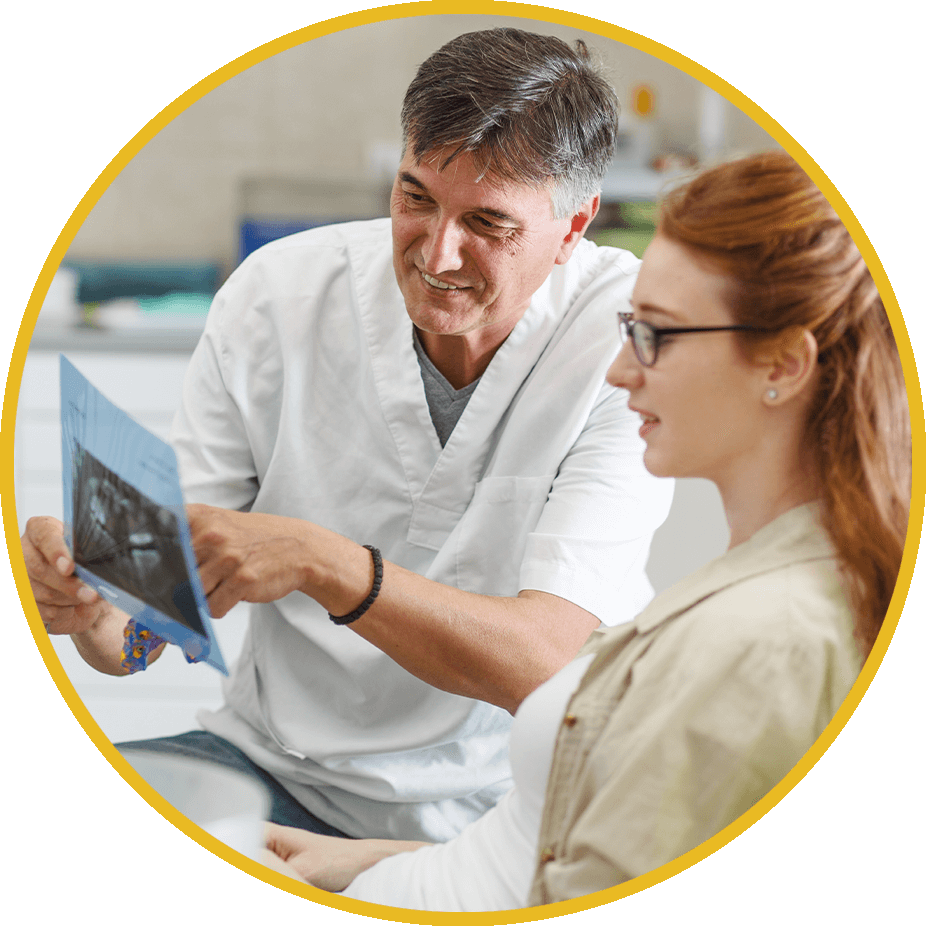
{"x":642,"y":335}
{"x":644,"y":340}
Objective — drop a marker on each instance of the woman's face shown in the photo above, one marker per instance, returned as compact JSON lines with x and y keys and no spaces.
{"x":701,"y":401}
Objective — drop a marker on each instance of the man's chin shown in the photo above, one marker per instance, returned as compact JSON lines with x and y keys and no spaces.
{"x":438,"y":319}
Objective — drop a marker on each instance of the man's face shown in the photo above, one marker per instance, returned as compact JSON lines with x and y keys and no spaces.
{"x":470,"y":253}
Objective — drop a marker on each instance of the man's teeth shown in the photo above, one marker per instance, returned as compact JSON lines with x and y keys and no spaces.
{"x":649,"y":419}
{"x":438,"y":283}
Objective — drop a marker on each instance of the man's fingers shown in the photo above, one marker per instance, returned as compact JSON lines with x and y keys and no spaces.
{"x":49,"y":586}
{"x":65,"y":619}
{"x":49,"y":563}
{"x":46,"y":594}
{"x":46,"y":536}
{"x":47,"y":557}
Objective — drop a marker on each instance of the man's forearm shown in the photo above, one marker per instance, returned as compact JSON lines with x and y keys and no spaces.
{"x":496,"y":649}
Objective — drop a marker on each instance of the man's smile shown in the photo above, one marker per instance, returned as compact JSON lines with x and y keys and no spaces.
{"x":439,"y":284}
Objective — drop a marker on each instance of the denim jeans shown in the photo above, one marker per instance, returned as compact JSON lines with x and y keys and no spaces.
{"x":198,"y":744}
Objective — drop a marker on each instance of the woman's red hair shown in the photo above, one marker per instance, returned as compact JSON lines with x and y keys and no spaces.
{"x":794,"y":266}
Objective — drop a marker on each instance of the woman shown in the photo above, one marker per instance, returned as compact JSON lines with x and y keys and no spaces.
{"x":758,"y":356}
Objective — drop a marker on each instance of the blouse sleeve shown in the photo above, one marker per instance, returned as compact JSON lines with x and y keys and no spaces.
{"x":488,"y":866}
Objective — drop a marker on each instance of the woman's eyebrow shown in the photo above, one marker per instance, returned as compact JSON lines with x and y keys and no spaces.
{"x":656,"y":310}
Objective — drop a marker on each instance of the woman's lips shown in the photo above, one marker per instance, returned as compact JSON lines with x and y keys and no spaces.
{"x":648,"y":426}
{"x":649,"y":422}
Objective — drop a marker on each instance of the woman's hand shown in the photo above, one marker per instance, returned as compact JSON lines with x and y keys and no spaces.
{"x":328,"y":862}
{"x":324,"y":861}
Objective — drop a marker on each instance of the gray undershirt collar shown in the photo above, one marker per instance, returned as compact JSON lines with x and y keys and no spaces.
{"x":445,"y":403}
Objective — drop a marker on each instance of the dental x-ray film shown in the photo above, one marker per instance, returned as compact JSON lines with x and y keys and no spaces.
{"x":126,"y":527}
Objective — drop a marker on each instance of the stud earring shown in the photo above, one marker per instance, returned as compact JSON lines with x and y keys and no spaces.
{"x":772,"y":394}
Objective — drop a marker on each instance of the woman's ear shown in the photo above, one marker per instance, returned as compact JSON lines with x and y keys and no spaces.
{"x":792,"y":370}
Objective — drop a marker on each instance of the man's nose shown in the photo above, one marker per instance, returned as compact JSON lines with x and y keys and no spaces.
{"x":442,"y":249}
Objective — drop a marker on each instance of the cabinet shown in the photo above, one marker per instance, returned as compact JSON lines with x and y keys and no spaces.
{"x":147,"y":383}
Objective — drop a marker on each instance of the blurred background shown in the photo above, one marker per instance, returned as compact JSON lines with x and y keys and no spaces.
{"x":306,"y":137}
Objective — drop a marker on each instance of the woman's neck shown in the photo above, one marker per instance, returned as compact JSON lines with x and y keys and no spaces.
{"x":744,"y":521}
{"x":766,"y":490}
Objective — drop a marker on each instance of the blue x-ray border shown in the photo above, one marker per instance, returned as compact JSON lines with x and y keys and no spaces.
{"x":149,"y":465}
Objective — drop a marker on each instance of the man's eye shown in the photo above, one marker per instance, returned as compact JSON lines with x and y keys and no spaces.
{"x":491,"y":228}
{"x":413,"y":197}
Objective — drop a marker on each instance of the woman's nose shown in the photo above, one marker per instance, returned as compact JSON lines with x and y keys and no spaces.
{"x":625,"y":372}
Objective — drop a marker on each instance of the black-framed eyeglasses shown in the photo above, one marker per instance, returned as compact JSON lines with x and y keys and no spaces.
{"x":646,"y":338}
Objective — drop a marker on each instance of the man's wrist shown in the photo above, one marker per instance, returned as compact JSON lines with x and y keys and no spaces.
{"x":100,"y":645}
{"x":373,"y":594}
{"x":340,"y":573}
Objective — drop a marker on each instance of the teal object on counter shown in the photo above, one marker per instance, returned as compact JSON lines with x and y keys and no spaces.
{"x":100,"y":282}
{"x":176,"y":304}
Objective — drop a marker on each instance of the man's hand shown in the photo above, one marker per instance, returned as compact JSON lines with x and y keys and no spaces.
{"x":246,"y":557}
{"x":65,"y":604}
{"x":328,"y":862}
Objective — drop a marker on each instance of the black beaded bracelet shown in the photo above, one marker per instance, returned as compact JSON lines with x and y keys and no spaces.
{"x":377,"y":585}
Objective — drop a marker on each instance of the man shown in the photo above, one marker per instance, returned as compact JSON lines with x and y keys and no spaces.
{"x":432,"y":387}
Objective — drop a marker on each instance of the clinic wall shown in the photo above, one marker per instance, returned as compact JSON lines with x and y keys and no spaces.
{"x":325,"y":110}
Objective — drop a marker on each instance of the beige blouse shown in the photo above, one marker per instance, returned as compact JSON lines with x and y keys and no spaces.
{"x":693,"y":712}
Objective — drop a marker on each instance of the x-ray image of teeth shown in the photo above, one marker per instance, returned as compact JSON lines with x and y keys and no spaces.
{"x":128,"y":540}
{"x":125,"y":524}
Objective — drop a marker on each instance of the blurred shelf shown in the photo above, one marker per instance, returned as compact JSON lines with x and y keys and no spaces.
{"x":158,"y":340}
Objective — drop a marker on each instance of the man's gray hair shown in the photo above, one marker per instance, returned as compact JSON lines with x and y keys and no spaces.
{"x":528,"y":108}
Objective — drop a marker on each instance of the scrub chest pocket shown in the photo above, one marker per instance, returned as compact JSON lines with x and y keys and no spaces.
{"x":493,"y":533}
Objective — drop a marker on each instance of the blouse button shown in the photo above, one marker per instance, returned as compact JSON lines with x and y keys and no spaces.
{"x":546,"y":856}
{"x":570,"y":720}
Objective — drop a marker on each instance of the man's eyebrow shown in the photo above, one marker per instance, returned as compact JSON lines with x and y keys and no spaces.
{"x":406,"y":177}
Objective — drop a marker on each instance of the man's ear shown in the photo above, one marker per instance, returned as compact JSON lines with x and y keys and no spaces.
{"x":579,"y":223}
{"x":792,"y":371}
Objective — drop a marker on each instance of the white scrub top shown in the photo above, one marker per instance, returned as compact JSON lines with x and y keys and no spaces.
{"x":304,"y":398}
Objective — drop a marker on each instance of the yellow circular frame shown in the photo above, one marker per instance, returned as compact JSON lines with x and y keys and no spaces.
{"x":438,"y":7}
